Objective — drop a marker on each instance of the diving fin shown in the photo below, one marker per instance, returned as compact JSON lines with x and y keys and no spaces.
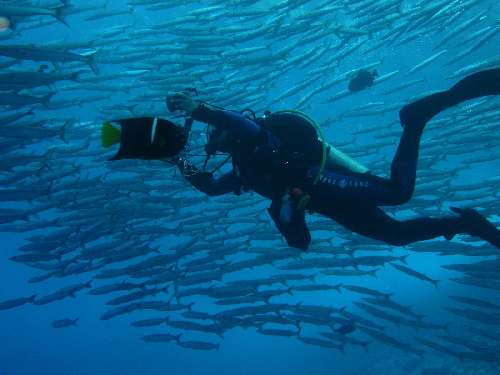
{"x":109,"y":135}
{"x":477,"y":225}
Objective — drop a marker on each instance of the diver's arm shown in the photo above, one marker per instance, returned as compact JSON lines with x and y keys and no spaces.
{"x":232,"y":121}
{"x":240,"y":126}
{"x":205,"y":181}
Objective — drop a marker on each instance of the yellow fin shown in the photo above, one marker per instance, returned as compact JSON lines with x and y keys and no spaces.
{"x":109,"y":135}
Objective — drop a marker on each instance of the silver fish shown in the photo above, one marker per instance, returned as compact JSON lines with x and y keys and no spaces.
{"x":10,"y":304}
{"x":63,"y":323}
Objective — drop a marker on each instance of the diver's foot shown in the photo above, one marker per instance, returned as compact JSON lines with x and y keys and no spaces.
{"x":477,"y":225}
{"x":408,"y":116}
{"x":416,"y":115}
{"x":413,"y":118}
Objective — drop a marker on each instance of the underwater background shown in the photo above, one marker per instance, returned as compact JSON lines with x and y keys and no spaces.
{"x":163,"y":279}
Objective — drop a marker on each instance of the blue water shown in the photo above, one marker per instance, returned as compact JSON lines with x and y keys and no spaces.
{"x":29,"y":344}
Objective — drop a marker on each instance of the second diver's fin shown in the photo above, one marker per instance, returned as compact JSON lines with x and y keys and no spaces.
{"x":110,"y":135}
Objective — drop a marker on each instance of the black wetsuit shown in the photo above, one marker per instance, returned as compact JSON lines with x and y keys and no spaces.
{"x":349,"y":198}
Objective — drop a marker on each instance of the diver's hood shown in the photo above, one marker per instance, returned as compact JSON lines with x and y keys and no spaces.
{"x":149,"y":138}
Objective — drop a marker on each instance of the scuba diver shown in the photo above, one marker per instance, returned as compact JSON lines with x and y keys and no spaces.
{"x":283,"y":157}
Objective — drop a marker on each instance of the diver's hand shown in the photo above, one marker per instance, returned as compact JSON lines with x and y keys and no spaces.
{"x":196,"y":177}
{"x":186,"y":168}
{"x":182,"y":102}
{"x":182,"y":163}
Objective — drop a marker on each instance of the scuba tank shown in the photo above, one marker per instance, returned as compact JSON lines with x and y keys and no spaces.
{"x":302,"y":138}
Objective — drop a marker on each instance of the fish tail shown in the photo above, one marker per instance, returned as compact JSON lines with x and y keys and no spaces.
{"x":32,"y":298}
{"x":176,"y":292}
{"x":403,"y":259}
{"x":365,"y":345}
{"x":76,"y":76}
{"x":46,"y":99}
{"x":109,"y":135}
{"x":60,"y":12}
{"x":435,"y":283}
{"x":64,"y":128}
{"x":91,"y":62}
{"x":446,"y":327}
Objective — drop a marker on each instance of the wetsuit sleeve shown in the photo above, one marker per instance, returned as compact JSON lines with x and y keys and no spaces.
{"x":231,"y":121}
{"x":206,"y":183}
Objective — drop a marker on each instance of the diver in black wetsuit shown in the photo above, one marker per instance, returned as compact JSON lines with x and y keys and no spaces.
{"x":296,"y":182}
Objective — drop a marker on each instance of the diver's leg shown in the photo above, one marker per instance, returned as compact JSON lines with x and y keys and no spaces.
{"x":336,"y":187}
{"x":418,"y":113}
{"x":372,"y":222}
{"x":348,"y":199}
{"x":414,"y":117}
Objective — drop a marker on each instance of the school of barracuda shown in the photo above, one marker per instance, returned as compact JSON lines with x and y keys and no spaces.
{"x":115,"y":222}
